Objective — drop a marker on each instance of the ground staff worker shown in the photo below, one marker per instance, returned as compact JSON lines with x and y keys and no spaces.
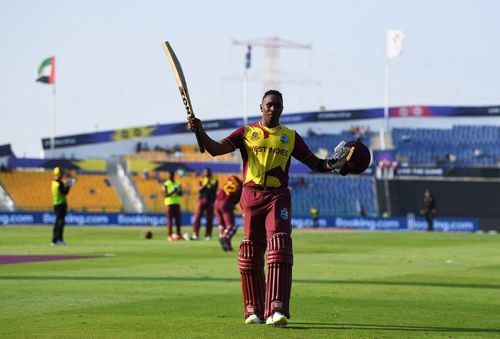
{"x":59,"y":192}
{"x":266,"y":148}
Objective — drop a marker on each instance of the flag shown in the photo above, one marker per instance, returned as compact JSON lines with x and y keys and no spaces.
{"x":248,"y":57}
{"x":394,"y":43}
{"x":47,"y":71}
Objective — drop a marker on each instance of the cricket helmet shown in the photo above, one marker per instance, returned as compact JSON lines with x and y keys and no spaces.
{"x":358,"y":158}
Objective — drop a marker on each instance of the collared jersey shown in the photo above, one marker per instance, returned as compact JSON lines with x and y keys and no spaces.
{"x":230,"y":190}
{"x":266,"y":153}
{"x":58,"y":197}
{"x":208,"y":187}
{"x":170,"y":186}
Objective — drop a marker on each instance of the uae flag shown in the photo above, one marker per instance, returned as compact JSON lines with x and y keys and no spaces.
{"x":47,"y":71}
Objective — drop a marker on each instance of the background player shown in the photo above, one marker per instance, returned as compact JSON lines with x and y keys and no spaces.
{"x":207,"y":189}
{"x":266,"y":148}
{"x":225,"y":202}
{"x":172,"y":190}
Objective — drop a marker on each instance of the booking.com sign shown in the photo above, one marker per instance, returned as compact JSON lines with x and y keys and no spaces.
{"x":154,"y":219}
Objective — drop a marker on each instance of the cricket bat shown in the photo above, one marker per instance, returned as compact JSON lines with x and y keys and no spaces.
{"x":181,"y":83}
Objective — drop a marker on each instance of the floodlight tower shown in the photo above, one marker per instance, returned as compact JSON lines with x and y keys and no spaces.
{"x":271,"y":76}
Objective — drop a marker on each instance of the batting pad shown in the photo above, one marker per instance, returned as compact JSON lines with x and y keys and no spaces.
{"x":279,"y":274}
{"x":251,"y":265}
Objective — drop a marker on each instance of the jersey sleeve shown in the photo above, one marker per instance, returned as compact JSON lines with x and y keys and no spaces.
{"x":63,"y":188}
{"x":300,"y":150}
{"x":236,"y":138}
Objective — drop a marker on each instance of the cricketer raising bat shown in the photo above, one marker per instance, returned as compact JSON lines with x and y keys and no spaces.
{"x":181,"y":83}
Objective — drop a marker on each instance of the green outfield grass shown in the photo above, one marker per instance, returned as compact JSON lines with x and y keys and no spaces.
{"x":346,"y":285}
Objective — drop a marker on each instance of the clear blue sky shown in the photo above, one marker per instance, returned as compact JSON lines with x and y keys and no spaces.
{"x":111,"y":72}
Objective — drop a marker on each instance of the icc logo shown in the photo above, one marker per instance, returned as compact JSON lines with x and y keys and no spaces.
{"x":284,"y":139}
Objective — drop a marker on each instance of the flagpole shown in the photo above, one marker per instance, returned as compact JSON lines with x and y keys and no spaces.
{"x":245,"y":97}
{"x":386,"y":94}
{"x":248,"y":60}
{"x":53,"y":122}
{"x":394,"y":44}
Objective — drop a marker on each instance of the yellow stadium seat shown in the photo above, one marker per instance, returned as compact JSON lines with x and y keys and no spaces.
{"x":30,"y":191}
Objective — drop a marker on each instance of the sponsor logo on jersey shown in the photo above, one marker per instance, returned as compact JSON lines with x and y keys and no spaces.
{"x":284,"y":214}
{"x":254,"y":136}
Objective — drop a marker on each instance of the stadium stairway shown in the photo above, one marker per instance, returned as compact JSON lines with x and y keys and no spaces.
{"x":6,"y":202}
{"x":124,"y":187}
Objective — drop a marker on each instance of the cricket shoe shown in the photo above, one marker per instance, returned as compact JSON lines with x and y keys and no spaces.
{"x":224,"y":243}
{"x":277,"y":319}
{"x":253,"y":320}
{"x":177,"y":237}
{"x":170,"y":238}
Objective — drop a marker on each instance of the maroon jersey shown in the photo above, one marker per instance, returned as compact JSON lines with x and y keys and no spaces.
{"x":266,"y":153}
{"x":231,"y":190}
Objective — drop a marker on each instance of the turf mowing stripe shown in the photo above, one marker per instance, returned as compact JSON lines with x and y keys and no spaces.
{"x":19,"y":259}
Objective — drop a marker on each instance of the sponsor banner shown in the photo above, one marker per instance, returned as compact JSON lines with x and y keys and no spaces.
{"x":441,"y":224}
{"x":443,"y":111}
{"x":157,"y":219}
{"x":373,"y":224}
{"x":420,"y":171}
{"x":347,"y":115}
{"x":386,"y":157}
{"x":86,"y":165}
{"x":444,"y":224}
{"x":89,"y":219}
{"x":293,"y":118}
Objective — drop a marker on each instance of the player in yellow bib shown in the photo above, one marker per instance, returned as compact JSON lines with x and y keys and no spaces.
{"x":266,"y":149}
{"x":172,"y":190}
{"x":59,"y":190}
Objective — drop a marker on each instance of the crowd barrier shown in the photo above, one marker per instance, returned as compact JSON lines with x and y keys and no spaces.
{"x":151,"y":219}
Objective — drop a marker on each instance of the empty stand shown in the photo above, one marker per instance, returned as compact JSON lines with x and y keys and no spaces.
{"x":460,"y":146}
{"x":333,"y":195}
{"x":30,"y":191}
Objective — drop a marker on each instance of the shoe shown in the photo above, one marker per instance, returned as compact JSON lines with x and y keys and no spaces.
{"x":170,"y":238}
{"x":61,"y":243}
{"x":277,"y":319}
{"x":186,"y":236}
{"x":252,"y":320}
{"x":177,"y":237}
{"x":193,"y":237}
{"x":208,"y":237}
{"x":223,"y":243}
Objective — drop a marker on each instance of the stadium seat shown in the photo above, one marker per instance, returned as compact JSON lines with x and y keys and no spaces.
{"x":30,"y":191}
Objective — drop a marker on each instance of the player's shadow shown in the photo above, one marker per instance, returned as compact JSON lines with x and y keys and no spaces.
{"x":385,"y":327}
